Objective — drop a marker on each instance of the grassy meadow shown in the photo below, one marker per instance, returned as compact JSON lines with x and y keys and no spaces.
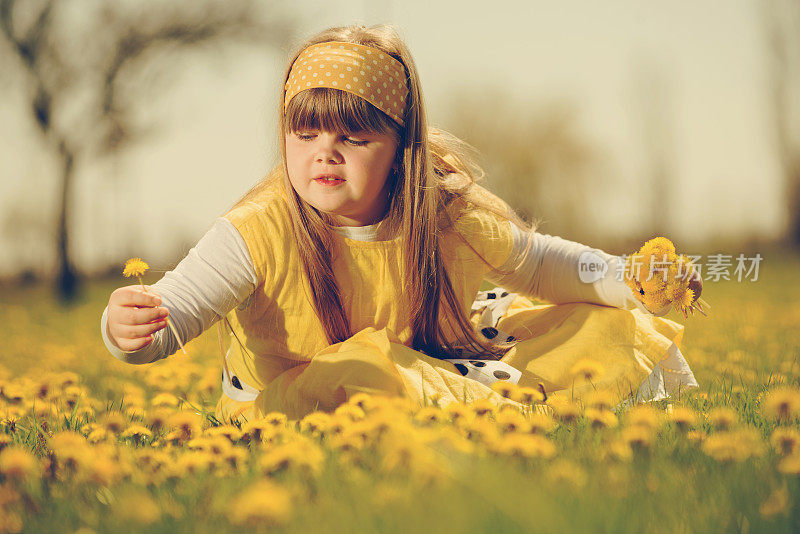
{"x":90,"y":444}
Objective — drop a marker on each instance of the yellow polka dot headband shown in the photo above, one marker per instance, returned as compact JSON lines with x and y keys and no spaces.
{"x":361,"y":70}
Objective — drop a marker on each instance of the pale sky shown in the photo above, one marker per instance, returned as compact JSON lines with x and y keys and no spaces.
{"x":215,"y":139}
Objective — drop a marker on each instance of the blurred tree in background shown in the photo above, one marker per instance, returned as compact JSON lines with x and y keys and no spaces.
{"x":81,"y":59}
{"x":534,"y":158}
{"x":782,"y":31}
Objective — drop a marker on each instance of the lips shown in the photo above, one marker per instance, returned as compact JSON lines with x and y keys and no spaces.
{"x":329,"y":179}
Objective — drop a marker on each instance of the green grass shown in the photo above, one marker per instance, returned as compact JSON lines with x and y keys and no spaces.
{"x":749,"y":345}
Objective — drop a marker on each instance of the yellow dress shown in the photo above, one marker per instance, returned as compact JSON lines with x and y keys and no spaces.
{"x":278,"y":358}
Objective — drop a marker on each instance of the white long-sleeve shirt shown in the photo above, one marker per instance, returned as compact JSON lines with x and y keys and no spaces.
{"x":218,"y":274}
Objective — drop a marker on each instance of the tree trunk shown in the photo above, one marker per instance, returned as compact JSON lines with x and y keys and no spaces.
{"x":67,"y":282}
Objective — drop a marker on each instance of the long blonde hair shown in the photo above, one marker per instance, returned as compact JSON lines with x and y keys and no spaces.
{"x":433,"y":168}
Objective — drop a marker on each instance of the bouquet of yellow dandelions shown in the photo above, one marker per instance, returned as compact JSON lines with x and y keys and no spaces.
{"x":659,"y":276}
{"x":137,"y":267}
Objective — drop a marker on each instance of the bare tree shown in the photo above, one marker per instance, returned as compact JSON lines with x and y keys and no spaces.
{"x":782,"y":30}
{"x":82,"y":59}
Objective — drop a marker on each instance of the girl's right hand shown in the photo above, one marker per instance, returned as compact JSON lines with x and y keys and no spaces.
{"x":133,"y":317}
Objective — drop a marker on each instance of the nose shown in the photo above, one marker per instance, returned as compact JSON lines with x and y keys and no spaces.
{"x":326,"y":150}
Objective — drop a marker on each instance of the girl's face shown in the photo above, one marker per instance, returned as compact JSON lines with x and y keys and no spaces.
{"x":342,"y":175}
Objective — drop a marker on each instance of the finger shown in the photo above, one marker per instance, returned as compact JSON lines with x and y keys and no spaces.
{"x":136,"y":297}
{"x":132,"y":332}
{"x":135,"y":316}
{"x":135,"y":344}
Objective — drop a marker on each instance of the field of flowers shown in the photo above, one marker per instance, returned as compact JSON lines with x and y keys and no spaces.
{"x":89,"y":444}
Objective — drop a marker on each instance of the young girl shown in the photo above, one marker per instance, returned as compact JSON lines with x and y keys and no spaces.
{"x":355,"y":264}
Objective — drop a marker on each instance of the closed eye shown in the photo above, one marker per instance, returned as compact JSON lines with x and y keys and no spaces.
{"x":346,"y":139}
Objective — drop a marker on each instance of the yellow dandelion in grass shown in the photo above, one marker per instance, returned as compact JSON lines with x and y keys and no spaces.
{"x":601,"y":418}
{"x":301,"y":456}
{"x":350,"y":411}
{"x":480,"y":430}
{"x":564,"y":410}
{"x":567,"y":473}
{"x":644,"y":415}
{"x":230,"y":432}
{"x":683,"y":418}
{"x":785,"y":440}
{"x":782,"y":404}
{"x":186,"y":424}
{"x":275,"y":419}
{"x":482,"y":407}
{"x":506,"y":389}
{"x":638,"y":437}
{"x":734,"y":446}
{"x":429,"y":415}
{"x":530,"y":396}
{"x":315,"y":423}
{"x":193,"y":463}
{"x":137,"y":267}
{"x":17,"y":463}
{"x":165,"y":399}
{"x":524,"y":446}
{"x":512,"y":421}
{"x":722,"y":418}
{"x":541,"y":423}
{"x":588,"y":369}
{"x":263,"y":503}
{"x":601,"y":399}
{"x":458,"y":413}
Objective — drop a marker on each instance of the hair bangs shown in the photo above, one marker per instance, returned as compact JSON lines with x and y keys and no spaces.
{"x":323,"y":108}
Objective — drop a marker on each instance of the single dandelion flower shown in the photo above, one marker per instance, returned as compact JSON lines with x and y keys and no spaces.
{"x":587,"y":368}
{"x":644,"y":415}
{"x":482,"y":407}
{"x":683,"y":418}
{"x":530,"y":396}
{"x":261,"y":503}
{"x":137,"y":267}
{"x":315,"y":423}
{"x":602,"y":399}
{"x":512,"y":421}
{"x":429,"y":415}
{"x":785,"y":440}
{"x":565,"y":411}
{"x":17,"y":463}
{"x":524,"y":446}
{"x":506,"y":389}
{"x":541,"y":423}
{"x":782,"y":404}
{"x":601,"y":418}
{"x":722,"y":418}
{"x":638,"y":437}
